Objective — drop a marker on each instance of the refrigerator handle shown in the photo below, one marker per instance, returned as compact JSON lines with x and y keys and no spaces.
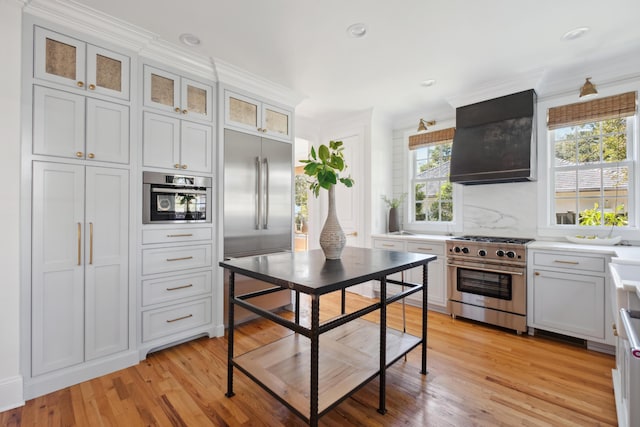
{"x":265,"y":204}
{"x":258,"y":198}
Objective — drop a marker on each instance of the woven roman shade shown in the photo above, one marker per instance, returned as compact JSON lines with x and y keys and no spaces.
{"x":611,"y":107}
{"x":429,"y":138}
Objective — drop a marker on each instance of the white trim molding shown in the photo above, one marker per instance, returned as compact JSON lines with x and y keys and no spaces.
{"x":11,"y":393}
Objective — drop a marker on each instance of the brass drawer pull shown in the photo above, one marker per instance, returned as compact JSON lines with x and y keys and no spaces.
{"x":426,"y":249}
{"x":559,"y":261}
{"x":180,"y":235}
{"x":180,"y":287}
{"x":179,"y":259}
{"x":179,"y":318}
{"x":387,"y":245}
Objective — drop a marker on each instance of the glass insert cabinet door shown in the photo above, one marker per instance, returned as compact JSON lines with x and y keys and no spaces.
{"x":173,"y":93}
{"x":248,"y":113}
{"x":71,"y":62}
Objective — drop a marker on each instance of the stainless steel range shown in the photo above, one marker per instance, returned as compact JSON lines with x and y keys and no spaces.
{"x":487,"y":280}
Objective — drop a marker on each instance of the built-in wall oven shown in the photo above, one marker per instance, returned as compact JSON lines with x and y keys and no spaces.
{"x":175,"y":198}
{"x":487,"y":280}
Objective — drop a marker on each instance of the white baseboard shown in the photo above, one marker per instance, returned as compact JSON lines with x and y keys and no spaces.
{"x":11,"y":393}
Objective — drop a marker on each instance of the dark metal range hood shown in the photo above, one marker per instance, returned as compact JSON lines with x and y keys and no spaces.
{"x":495,"y":141}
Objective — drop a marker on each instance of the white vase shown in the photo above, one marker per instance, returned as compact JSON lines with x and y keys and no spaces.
{"x":332,"y":238}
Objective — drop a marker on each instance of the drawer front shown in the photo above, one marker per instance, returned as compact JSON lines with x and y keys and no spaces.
{"x":170,"y":235}
{"x":426,"y":248}
{"x":390,"y":245}
{"x":572,"y":262}
{"x":175,"y":258}
{"x":176,"y":287}
{"x":177,"y":318}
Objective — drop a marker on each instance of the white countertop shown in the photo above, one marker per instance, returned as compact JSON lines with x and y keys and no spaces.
{"x":413,"y":236}
{"x":628,"y":252}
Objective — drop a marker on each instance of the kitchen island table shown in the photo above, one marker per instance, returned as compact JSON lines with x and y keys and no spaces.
{"x":345,"y":351}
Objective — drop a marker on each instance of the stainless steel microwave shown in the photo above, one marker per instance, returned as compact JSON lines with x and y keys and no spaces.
{"x":175,"y":198}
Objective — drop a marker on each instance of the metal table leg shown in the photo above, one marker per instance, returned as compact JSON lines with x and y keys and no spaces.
{"x":232,"y":277}
{"x":315,"y":346}
{"x":383,"y":345}
{"x":425,"y":288}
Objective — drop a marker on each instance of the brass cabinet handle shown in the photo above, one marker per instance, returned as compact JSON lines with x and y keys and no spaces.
{"x":180,"y":235}
{"x":176,"y":109}
{"x":354,"y":234}
{"x":386,"y":245}
{"x":185,"y":111}
{"x":180,"y":287}
{"x":615,"y":329}
{"x":79,"y":244}
{"x":426,"y":249}
{"x":79,"y":154}
{"x":91,"y":155}
{"x":177,"y":166}
{"x":180,"y":318}
{"x":559,"y":261}
{"x":184,"y":166}
{"x":90,"y":243}
{"x":92,"y":86}
{"x":537,"y":273}
{"x":80,"y":84}
{"x":179,"y":259}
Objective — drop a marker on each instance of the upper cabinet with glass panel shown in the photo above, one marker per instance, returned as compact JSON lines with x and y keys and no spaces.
{"x":256,"y":117}
{"x":71,"y":62}
{"x":173,"y":93}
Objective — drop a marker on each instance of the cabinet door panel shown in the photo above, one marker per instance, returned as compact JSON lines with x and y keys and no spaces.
{"x":277,"y":121}
{"x":107,"y":72}
{"x":196,"y":100}
{"x":106,"y":261}
{"x":107,"y":131}
{"x":161,"y":89}
{"x":196,"y":147}
{"x":58,"y":123}
{"x":57,"y":266}
{"x":242,"y":111}
{"x":161,"y":141}
{"x":59,"y":58}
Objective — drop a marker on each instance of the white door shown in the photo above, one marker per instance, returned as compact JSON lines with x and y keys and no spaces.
{"x":106,"y":261}
{"x":196,"y":146}
{"x":58,"y":123}
{"x":161,"y":141}
{"x":107,"y":131}
{"x":350,"y":201}
{"x":57,"y":293}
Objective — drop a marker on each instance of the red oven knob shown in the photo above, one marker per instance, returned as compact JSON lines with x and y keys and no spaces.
{"x":511,"y":254}
{"x":482,"y":252}
{"x":500,"y":252}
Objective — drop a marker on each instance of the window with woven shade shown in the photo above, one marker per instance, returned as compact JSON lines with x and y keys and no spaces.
{"x":431,"y":195}
{"x":592,"y":166}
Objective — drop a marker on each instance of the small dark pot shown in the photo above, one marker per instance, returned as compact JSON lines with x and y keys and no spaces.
{"x":394,"y":224}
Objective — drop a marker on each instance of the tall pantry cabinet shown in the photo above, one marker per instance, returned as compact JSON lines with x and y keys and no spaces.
{"x":79,"y":161}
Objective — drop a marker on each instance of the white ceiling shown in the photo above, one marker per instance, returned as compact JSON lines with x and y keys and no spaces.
{"x":469,"y":47}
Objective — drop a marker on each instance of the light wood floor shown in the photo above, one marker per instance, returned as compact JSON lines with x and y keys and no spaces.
{"x":478,"y":376}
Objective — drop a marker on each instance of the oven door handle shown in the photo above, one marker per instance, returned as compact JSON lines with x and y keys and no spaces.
{"x":177,"y":191}
{"x":490,"y":270}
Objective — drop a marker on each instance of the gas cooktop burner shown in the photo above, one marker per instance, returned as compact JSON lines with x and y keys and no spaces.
{"x":490,"y":239}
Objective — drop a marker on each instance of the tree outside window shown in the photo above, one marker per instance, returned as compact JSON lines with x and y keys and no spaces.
{"x":432,"y":194}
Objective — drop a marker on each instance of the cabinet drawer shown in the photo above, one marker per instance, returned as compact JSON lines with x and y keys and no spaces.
{"x":175,"y":258}
{"x":173,"y":288}
{"x":572,"y":262}
{"x":391,"y":245}
{"x":169,"y":235}
{"x":177,"y":318}
{"x":426,"y":248}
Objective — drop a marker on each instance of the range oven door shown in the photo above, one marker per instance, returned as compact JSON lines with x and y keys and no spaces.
{"x":491,"y":286}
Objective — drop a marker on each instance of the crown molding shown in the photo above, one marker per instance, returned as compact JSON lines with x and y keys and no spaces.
{"x":16,"y":3}
{"x":231,"y":75}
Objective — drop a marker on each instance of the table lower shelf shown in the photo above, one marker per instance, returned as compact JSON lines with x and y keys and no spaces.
{"x":348,"y":357}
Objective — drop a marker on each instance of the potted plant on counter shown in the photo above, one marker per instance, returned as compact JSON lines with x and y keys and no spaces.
{"x":393,"y":205}
{"x":324,"y":167}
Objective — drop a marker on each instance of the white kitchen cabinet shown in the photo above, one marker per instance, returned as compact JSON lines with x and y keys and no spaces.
{"x":437,"y":282}
{"x":79,"y":264}
{"x":177,"y":94}
{"x":74,"y":126}
{"x":171,"y":143}
{"x":567,"y":294}
{"x":257,"y":117}
{"x":92,"y":69}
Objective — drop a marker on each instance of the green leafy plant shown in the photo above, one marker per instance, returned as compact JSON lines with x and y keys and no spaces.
{"x":324,"y":167}
{"x":594,"y":216}
{"x":395,"y":202}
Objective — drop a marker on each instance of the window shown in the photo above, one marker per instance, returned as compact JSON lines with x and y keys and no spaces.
{"x":592,"y":164}
{"x":432,"y":195}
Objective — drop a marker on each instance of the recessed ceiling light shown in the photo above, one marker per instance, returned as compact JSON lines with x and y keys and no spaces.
{"x":575,"y":33}
{"x":357,"y":30}
{"x":189,"y":39}
{"x":427,"y":83}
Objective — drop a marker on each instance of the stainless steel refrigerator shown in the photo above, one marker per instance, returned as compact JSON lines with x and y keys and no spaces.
{"x":258,"y":197}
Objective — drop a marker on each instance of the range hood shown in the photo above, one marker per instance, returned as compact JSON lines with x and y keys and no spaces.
{"x":495,"y":141}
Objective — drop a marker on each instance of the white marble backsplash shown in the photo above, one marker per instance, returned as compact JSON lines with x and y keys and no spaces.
{"x":505,"y":210}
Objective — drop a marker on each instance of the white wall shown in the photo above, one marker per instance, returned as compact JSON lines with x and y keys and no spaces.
{"x":11,"y":33}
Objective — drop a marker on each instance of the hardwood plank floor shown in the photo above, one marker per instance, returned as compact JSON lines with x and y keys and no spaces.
{"x":478,"y":376}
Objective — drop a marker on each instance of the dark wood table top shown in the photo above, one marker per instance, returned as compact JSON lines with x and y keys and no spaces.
{"x":311,"y":273}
